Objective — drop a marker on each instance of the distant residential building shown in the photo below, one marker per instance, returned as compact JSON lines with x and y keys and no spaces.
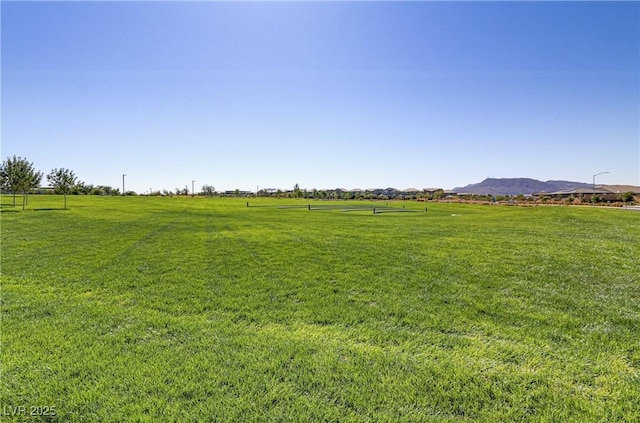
{"x":585,"y":193}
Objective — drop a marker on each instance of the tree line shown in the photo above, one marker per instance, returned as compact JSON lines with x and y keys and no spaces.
{"x":17,"y":175}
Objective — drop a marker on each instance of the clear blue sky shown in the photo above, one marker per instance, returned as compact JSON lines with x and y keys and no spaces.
{"x":325,"y":95}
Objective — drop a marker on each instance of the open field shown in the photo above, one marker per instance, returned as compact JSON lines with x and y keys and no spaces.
{"x":193,"y":309}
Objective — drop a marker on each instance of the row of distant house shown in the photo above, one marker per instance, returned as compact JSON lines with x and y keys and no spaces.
{"x":389,"y":192}
{"x":605,"y":192}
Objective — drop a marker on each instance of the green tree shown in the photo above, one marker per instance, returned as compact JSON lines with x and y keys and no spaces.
{"x":84,"y":188}
{"x":627,"y":197}
{"x":8,"y":178}
{"x":63,"y":182}
{"x":106,"y":190}
{"x":208,"y":190}
{"x":18,"y":175}
{"x":81,"y":188}
{"x":347,"y":195}
{"x":438,"y":194}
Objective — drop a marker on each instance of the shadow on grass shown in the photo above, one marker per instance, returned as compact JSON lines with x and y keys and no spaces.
{"x":9,"y":207}
{"x":19,"y":209}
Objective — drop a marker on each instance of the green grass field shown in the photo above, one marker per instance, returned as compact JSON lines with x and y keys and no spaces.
{"x":193,"y":309}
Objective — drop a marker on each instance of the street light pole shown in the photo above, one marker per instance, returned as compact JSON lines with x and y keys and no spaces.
{"x":593,"y":196}
{"x":123,"y":175}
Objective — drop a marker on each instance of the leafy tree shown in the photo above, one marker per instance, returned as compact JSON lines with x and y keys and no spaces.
{"x":8,"y":177}
{"x":99,"y":190}
{"x":627,"y":197}
{"x":438,"y":194}
{"x":81,"y":188}
{"x":208,"y":190}
{"x":183,"y":191}
{"x":63,"y":181}
{"x":18,"y":175}
{"x":106,"y":190}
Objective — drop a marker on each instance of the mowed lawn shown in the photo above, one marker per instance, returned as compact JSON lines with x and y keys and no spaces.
{"x":196,"y":309}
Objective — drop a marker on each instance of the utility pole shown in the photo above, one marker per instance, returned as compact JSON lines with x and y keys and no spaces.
{"x":593,"y":196}
{"x":123,"y":175}
{"x":193,"y":188}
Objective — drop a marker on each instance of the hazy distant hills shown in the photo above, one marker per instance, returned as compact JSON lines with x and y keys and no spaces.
{"x":515,"y":186}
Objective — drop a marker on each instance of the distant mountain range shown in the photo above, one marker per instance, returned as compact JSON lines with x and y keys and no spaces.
{"x":515,"y":186}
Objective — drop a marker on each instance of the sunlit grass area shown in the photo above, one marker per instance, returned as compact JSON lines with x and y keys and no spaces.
{"x":195,"y":309}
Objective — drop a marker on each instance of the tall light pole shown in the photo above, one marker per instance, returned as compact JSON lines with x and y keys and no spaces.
{"x":593,"y":197}
{"x":192,"y":189}
{"x":123,"y":175}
